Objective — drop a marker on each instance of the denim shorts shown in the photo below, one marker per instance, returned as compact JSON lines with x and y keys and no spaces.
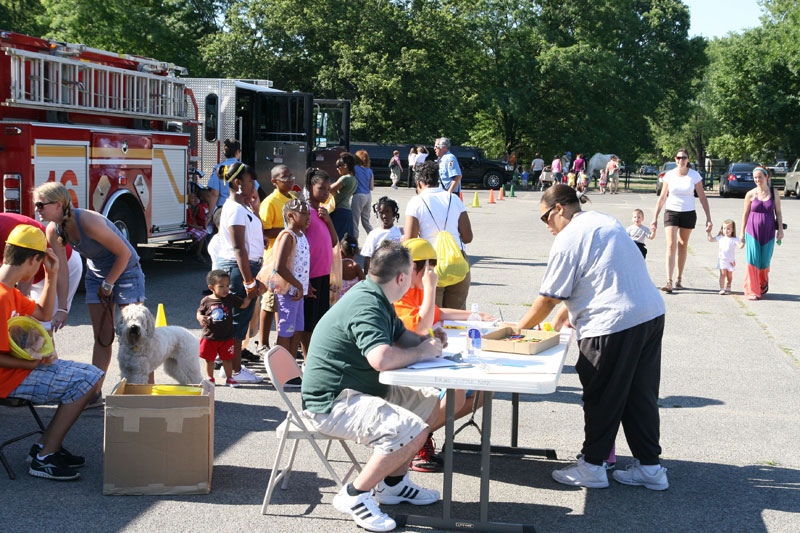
{"x":241,"y":317}
{"x":128,"y":289}
{"x":61,"y":382}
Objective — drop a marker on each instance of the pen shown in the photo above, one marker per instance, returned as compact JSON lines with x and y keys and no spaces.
{"x":430,"y":332}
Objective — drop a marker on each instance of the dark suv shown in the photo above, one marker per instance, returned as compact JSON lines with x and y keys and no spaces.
{"x":476,"y":169}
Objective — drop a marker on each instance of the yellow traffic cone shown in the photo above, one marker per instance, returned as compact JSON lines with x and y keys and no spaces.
{"x":475,"y":202}
{"x":161,"y":319}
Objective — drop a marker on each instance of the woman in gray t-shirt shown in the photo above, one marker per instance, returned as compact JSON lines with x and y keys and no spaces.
{"x":596,"y":270}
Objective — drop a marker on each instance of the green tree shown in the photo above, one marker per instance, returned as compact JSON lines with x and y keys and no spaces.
{"x":22,"y":16}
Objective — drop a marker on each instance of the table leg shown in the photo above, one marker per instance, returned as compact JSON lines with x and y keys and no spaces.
{"x":486,"y":450}
{"x":514,"y":418}
{"x":448,"y":454}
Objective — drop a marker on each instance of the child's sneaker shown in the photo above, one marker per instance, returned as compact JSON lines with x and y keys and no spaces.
{"x":582,"y":474}
{"x":212,"y":380}
{"x":231,"y":383}
{"x":294,"y":383}
{"x":635,"y":475}
{"x":245,"y":375}
{"x":52,"y":467}
{"x":72,"y":461}
{"x":405,"y":492}
{"x":722,"y":291}
{"x":364,"y":510}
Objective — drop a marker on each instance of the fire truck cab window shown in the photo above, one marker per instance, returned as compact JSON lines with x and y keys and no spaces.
{"x":212,"y":114}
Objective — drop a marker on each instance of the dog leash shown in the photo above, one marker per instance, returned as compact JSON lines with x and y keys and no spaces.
{"x":108,"y":315}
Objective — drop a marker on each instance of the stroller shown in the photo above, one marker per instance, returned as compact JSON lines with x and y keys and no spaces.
{"x":546,"y":179}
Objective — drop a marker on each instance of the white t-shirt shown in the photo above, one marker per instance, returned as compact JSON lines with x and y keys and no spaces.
{"x":638,"y":233}
{"x":537,"y":164}
{"x":681,"y":190}
{"x":412,"y":158}
{"x":437,"y":201}
{"x":727,"y":247}
{"x":377,"y":236}
{"x":420,"y":158}
{"x":235,"y":214}
{"x":599,"y":273}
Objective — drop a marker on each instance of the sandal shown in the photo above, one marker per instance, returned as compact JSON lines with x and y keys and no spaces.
{"x":678,"y":284}
{"x":765,"y":288}
{"x":667,"y":287}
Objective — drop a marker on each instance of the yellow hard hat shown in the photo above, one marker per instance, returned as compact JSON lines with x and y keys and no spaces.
{"x":420,"y":249}
{"x":26,"y":236}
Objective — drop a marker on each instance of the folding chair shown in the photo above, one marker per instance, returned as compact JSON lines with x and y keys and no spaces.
{"x":17,"y":402}
{"x":282,"y":367}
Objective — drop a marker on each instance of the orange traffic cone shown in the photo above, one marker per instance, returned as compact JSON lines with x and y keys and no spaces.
{"x":502,"y":189}
{"x":461,"y":196}
{"x":491,"y":196}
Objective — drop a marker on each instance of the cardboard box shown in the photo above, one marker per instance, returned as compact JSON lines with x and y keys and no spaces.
{"x":158,"y":444}
{"x":493,"y":342}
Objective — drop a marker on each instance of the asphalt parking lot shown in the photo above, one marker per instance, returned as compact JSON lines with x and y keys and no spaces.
{"x":730,"y":398}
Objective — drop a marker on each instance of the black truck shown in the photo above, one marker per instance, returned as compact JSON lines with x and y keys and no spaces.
{"x":476,"y":169}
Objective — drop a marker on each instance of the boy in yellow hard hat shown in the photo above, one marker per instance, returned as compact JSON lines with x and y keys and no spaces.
{"x":49,"y":380}
{"x":418,"y":311}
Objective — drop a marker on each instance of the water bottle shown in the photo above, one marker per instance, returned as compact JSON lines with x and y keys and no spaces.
{"x":474,"y":332}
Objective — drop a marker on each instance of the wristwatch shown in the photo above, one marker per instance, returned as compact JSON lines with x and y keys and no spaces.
{"x":108,"y":287}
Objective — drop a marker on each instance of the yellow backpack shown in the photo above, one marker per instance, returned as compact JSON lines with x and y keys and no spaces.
{"x":451,"y":265}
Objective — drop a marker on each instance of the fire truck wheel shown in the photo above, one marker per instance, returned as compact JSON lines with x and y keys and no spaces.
{"x":125,"y":222}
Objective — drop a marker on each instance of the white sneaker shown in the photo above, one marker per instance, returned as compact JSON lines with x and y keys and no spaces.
{"x":581,"y":474}
{"x":245,"y":375}
{"x":405,"y":492}
{"x":635,"y":475}
{"x":364,"y":510}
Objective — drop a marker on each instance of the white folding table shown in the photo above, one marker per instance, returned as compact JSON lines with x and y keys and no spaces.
{"x":499,"y":372}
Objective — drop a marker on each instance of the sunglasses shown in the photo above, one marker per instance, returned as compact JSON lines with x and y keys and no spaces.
{"x":287,"y":178}
{"x":681,"y":157}
{"x":419,"y":265}
{"x":40,"y":205}
{"x":546,"y":216}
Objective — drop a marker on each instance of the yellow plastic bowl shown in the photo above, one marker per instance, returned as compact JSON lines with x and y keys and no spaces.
{"x":176,"y":390}
{"x":27,"y":323}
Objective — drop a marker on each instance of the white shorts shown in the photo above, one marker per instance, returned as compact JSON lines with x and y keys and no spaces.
{"x":385,"y":425}
{"x":724,"y":264}
{"x":75,"y":270}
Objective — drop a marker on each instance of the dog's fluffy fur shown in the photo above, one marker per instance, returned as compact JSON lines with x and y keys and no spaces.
{"x":144,"y":347}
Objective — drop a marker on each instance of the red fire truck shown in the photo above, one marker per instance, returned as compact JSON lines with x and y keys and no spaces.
{"x":124,"y":133}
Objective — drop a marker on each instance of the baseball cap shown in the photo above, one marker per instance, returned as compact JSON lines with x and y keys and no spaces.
{"x":26,"y":236}
{"x":420,"y":249}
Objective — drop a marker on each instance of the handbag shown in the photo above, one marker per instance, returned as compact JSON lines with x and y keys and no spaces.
{"x":268,"y":275}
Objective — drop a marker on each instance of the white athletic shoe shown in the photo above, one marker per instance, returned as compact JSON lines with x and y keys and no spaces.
{"x":635,"y":475}
{"x":246,"y":375}
{"x":405,"y":492}
{"x":581,"y":474}
{"x":364,"y":510}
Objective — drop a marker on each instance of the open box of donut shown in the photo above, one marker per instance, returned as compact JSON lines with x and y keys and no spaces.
{"x":521,"y":341}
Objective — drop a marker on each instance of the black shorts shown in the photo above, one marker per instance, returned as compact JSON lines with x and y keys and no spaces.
{"x":315,"y":308}
{"x":682,"y":219}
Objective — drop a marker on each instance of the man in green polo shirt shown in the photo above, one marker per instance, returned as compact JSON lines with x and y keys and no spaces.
{"x":342,"y":397}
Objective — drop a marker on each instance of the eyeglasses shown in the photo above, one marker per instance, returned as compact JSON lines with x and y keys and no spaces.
{"x":287,"y":178}
{"x":439,"y":146}
{"x":681,"y":157}
{"x":546,"y":216}
{"x":40,"y":205}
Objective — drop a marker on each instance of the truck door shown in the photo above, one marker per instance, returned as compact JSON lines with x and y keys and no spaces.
{"x":65,"y":162}
{"x":280,"y":125}
{"x":331,"y":133}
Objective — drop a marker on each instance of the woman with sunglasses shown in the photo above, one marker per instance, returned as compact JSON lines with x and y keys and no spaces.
{"x":113,"y":273}
{"x":597,"y":271}
{"x":677,"y":198}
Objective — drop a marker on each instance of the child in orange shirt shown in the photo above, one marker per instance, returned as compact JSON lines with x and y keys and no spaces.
{"x":49,"y":380}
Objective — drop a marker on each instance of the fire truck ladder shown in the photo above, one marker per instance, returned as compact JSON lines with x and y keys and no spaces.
{"x":50,"y":82}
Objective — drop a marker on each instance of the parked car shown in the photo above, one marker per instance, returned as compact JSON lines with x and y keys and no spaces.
{"x":780,"y":168}
{"x":666,"y":167}
{"x":648,"y":170}
{"x":739,"y":180}
{"x":792,"y":182}
{"x":476,"y":169}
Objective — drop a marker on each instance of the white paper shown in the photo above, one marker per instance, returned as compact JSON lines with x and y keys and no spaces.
{"x":433,"y":362}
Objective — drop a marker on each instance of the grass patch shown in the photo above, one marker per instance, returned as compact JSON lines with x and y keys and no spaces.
{"x":498,"y":303}
{"x":770,"y":463}
{"x":705,"y":313}
{"x":749,"y":313}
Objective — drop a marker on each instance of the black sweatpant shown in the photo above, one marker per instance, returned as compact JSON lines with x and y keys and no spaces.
{"x":620,"y":374}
